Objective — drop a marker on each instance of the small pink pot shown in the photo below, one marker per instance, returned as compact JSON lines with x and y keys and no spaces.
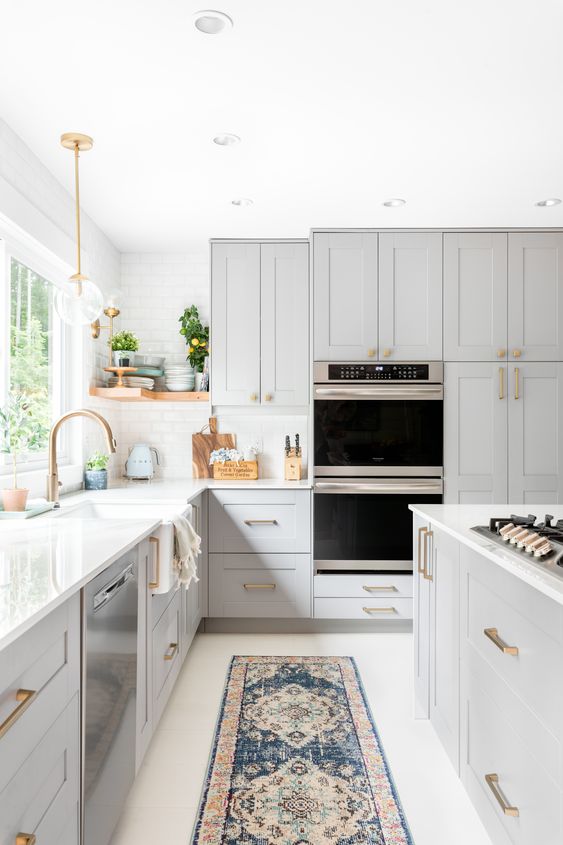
{"x":15,"y":499}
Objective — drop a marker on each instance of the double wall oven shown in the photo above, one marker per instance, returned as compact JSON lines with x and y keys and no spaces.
{"x":378,"y":447}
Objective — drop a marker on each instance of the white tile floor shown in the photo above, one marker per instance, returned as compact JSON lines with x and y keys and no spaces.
{"x":163,"y":803}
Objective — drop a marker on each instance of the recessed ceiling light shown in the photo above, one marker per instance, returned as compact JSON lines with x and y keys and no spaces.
{"x":227,"y":139}
{"x":549,"y":202}
{"x":242,"y":201}
{"x":211,"y":22}
{"x":394,"y":203}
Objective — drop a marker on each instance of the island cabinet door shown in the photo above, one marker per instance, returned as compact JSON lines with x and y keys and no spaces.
{"x":535,"y":432}
{"x":475,"y":433}
{"x":235,"y":323}
{"x":443,"y":570}
{"x":285,"y":323}
{"x":535,"y":296}
{"x":345,"y":296}
{"x":421,"y":618}
{"x":475,"y":296}
{"x":144,"y":653}
{"x":410,"y":296}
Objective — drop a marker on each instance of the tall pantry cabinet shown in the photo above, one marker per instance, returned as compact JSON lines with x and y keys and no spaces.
{"x":503,"y":347}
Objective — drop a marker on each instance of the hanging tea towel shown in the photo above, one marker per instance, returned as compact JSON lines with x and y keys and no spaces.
{"x":187,"y":546}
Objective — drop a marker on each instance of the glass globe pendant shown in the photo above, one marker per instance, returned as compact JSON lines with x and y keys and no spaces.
{"x":80,"y":301}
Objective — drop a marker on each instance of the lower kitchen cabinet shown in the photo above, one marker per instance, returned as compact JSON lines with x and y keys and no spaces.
{"x":372,"y":608}
{"x":421,"y":618}
{"x":260,"y":585}
{"x":165,"y":655}
{"x":194,"y":599}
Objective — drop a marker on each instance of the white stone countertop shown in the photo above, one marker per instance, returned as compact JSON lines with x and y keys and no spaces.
{"x":46,"y":559}
{"x":457,"y":520}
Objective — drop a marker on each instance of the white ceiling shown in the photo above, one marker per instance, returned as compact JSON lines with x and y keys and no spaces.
{"x":455,"y":106}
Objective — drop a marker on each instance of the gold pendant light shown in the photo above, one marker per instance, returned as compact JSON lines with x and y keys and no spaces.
{"x":80,"y":302}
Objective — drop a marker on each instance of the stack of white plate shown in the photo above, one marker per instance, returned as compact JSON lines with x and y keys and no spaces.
{"x":133,"y":381}
{"x":179,"y":377}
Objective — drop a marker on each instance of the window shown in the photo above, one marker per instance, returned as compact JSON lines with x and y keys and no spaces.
{"x":34,"y":336}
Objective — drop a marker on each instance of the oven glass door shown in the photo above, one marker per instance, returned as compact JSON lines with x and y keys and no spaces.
{"x":378,"y":436}
{"x":365,"y":531}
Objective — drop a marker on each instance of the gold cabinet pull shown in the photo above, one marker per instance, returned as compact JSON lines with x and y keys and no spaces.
{"x":501,"y":382}
{"x":376,"y":588}
{"x":387,"y":353}
{"x":25,"y":697}
{"x":492,"y":783}
{"x":379,"y":609}
{"x":26,"y":839}
{"x":516,"y":353}
{"x":426,"y":574}
{"x":260,"y":522}
{"x":501,"y":353}
{"x":259,"y":586}
{"x":371,"y":353}
{"x":170,"y":652}
{"x":517,"y":382}
{"x":253,"y":397}
{"x":154,"y":585}
{"x":421,"y":567}
{"x":492,"y":634}
{"x":268,"y":397}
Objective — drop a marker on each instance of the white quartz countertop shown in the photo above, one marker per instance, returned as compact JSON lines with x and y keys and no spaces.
{"x":45,"y":559}
{"x":457,"y":520}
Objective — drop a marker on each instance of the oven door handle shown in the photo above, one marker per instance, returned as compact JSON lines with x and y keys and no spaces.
{"x":404,"y":487}
{"x":420,"y":391}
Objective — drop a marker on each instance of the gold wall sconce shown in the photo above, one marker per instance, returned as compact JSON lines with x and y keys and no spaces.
{"x":111,"y":312}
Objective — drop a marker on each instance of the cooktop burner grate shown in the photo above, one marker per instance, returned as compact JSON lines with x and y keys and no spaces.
{"x":541,"y":542}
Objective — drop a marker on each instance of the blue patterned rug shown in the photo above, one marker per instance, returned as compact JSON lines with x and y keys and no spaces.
{"x":297,"y":760}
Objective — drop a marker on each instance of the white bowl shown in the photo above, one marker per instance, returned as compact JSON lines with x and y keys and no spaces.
{"x":180,"y":388}
{"x":149,"y":360}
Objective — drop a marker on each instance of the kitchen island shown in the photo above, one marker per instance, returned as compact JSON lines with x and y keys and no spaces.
{"x":488,"y":667}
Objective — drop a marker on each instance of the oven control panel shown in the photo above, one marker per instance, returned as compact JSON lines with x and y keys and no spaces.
{"x":378,"y":372}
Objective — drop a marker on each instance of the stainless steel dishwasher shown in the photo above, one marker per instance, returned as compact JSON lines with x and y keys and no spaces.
{"x":110,"y":692}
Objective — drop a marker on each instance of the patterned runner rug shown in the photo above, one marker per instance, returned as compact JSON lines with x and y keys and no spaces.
{"x":297,"y":760}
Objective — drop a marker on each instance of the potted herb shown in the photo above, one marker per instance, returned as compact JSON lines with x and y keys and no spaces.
{"x":96,"y":472}
{"x":20,"y":432}
{"x":122,"y":344}
{"x":196,"y":336}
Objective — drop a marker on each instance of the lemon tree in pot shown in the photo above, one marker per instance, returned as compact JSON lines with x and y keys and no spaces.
{"x":123,"y":344}
{"x":96,"y":472}
{"x":20,"y":432}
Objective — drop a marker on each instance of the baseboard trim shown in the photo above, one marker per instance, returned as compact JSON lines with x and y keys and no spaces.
{"x":219,"y":625}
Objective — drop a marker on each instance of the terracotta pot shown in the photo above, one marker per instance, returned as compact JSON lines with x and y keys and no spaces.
{"x":15,"y":499}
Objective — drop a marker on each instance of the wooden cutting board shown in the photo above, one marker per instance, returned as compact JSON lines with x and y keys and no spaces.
{"x":204,"y":444}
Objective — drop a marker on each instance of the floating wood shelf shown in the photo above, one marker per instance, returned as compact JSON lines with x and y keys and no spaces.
{"x":139,"y":394}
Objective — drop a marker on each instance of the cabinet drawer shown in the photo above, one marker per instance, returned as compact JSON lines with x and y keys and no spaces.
{"x":278,"y":586}
{"x":516,"y":616}
{"x":363,"y":586}
{"x":260,"y":521}
{"x":365,"y":608}
{"x":491,"y":746}
{"x":39,"y":674}
{"x":166,"y":654}
{"x":42,"y":798}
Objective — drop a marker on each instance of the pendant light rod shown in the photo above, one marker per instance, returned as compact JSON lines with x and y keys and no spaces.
{"x":77,"y":196}
{"x":77,"y":142}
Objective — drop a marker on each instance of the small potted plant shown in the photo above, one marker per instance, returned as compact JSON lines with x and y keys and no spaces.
{"x":96,"y":472}
{"x":122,"y":345}
{"x":20,"y":432}
{"x":196,"y":336}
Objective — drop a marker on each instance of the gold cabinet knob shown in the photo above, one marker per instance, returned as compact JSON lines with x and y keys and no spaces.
{"x":516,"y":353}
{"x":268,"y":397}
{"x":253,"y":397}
{"x":371,"y":353}
{"x":387,"y":353}
{"x":501,"y":353}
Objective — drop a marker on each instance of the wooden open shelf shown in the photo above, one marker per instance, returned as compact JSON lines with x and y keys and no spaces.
{"x":139,"y":394}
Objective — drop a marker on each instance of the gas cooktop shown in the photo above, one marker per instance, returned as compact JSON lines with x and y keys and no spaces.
{"x":541,"y":542}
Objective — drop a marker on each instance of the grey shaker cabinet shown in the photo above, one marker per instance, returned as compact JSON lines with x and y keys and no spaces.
{"x":410,"y":296}
{"x":345,"y":296}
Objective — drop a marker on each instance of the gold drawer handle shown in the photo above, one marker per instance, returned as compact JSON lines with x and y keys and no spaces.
{"x":492,"y":634}
{"x":379,"y":609}
{"x":260,"y":522}
{"x":259,"y":586}
{"x":492,"y":783}
{"x":154,"y":585}
{"x":26,"y":839}
{"x":171,"y":651}
{"x":387,"y":589}
{"x":421,"y":567}
{"x":501,"y":382}
{"x":516,"y":382}
{"x":426,"y":574}
{"x":25,"y":697}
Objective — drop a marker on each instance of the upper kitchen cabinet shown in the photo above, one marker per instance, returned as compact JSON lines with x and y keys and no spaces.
{"x":260,"y":323}
{"x":285,"y":323}
{"x":475,"y":296}
{"x":345,"y":296}
{"x":535,"y":296}
{"x":410,"y":296}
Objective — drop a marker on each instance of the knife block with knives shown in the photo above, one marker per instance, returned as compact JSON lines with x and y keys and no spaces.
{"x":292,"y":462}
